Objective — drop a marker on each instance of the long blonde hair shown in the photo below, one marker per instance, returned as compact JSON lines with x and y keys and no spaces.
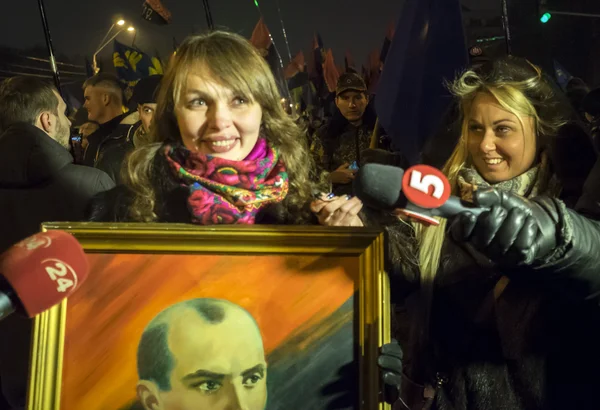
{"x":235,"y":63}
{"x":520,"y":88}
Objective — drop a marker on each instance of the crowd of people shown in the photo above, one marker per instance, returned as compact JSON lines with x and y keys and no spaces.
{"x":496,"y":311}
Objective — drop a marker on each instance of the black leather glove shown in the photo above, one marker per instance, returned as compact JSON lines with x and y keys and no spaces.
{"x":515,"y":231}
{"x":390,"y":362}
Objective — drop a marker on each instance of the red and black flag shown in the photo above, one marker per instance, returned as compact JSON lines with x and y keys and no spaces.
{"x":349,"y":65}
{"x":262,"y":40}
{"x":295,"y":66}
{"x":389,"y":35}
{"x":374,"y":67}
{"x":330,"y":71}
{"x":155,"y":12}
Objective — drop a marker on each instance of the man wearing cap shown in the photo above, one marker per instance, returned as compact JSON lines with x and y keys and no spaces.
{"x":348,"y":132}
{"x":136,"y":132}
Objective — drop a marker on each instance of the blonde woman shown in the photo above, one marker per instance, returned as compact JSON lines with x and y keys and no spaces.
{"x":222,"y":149}
{"x":501,"y":311}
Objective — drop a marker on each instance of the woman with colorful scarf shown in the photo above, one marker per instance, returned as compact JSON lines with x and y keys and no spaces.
{"x":222,"y":149}
{"x":498,"y":311}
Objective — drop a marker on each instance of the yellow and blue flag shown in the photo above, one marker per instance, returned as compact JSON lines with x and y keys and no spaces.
{"x":133,"y":64}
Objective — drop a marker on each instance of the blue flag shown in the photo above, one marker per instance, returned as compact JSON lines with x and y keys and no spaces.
{"x":133,"y":64}
{"x":562,"y":75}
{"x":428,"y":48}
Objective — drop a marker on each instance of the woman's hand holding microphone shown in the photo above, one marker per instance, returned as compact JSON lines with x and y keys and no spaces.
{"x":514,"y":231}
{"x":337,"y":211}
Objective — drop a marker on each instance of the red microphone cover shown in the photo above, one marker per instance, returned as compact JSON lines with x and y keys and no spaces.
{"x":44,"y":269}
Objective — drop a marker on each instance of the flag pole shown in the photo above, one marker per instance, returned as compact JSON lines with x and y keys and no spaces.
{"x":209,"y":19}
{"x":271,"y":38}
{"x":506,"y":26}
{"x":287,"y":45}
{"x":53,"y":65}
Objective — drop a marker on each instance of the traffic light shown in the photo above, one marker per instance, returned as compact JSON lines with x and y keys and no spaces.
{"x":545,"y":17}
{"x":543,"y":11}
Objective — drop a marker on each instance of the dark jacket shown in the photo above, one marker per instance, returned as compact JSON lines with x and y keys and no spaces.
{"x":171,"y":201}
{"x":534,"y":347}
{"x":113,"y":154}
{"x":589,"y":202}
{"x":342,"y":142}
{"x":595,"y":134}
{"x":38,"y":183}
{"x":108,"y":134}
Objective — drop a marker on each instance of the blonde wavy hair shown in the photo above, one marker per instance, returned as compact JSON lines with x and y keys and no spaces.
{"x":520,"y":88}
{"x":232,"y":61}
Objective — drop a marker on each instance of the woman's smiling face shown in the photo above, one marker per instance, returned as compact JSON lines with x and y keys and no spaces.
{"x":215,"y":121}
{"x":500,"y":145}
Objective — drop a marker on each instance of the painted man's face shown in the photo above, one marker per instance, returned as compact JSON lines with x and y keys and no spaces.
{"x":217,"y":366}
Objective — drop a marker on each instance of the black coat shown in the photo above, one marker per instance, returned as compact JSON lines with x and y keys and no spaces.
{"x":103,"y":138}
{"x":533,"y":348}
{"x":38,"y":183}
{"x":115,"y":150}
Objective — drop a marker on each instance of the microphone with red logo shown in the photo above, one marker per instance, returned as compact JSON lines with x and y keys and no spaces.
{"x":421,"y":192}
{"x":39,"y":272}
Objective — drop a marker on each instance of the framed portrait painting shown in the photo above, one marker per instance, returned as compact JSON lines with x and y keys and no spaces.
{"x":179,"y":317}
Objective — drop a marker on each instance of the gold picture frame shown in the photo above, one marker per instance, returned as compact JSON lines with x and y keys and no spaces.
{"x":366,"y":245}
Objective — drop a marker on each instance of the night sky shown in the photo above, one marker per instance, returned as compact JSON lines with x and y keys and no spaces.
{"x":77,"y":26}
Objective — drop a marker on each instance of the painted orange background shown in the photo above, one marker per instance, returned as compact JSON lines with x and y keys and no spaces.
{"x":107,"y":315}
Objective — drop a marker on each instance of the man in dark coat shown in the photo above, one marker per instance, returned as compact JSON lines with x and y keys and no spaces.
{"x":131,"y":133}
{"x":348,"y":132}
{"x":38,"y":183}
{"x":591,"y":108}
{"x":104,"y":100}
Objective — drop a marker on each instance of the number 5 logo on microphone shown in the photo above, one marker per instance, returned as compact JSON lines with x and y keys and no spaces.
{"x":425,"y":186}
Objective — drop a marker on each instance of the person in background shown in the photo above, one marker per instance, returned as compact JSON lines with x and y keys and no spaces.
{"x":144,"y":96}
{"x":591,"y":108}
{"x":222,"y":150}
{"x":500,"y":310}
{"x":576,"y":91}
{"x":38,"y":183}
{"x":348,"y":132}
{"x":85,"y":130}
{"x":81,"y":129}
{"x":104,"y":100}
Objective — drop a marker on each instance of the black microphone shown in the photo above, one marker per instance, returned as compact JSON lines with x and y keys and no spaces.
{"x":422,"y":192}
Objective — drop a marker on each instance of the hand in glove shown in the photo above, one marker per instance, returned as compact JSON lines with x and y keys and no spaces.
{"x":390,"y":362}
{"x":515,"y":231}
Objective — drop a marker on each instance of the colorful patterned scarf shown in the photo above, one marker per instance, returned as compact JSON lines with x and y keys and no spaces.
{"x":229,"y":192}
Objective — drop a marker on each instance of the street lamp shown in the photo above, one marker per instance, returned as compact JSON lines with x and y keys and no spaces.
{"x":119,"y":22}
{"x":105,"y":42}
